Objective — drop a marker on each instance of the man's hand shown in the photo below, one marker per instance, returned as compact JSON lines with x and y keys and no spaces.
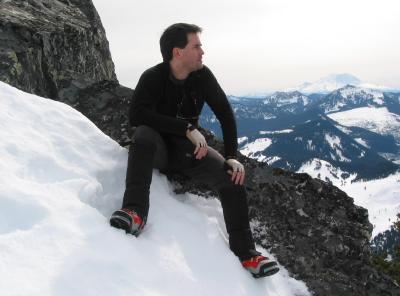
{"x":237,"y":171}
{"x":199,"y":141}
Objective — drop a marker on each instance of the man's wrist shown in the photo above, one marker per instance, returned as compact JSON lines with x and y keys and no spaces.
{"x":230,"y":157}
{"x":190,"y":127}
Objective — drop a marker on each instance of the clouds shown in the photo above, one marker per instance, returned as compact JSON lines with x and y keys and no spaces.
{"x":262,"y":44}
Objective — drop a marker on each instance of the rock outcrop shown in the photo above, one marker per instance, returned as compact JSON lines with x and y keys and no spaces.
{"x":58,"y":49}
{"x":53,"y":48}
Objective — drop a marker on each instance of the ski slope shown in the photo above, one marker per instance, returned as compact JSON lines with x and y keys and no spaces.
{"x":61,"y":178}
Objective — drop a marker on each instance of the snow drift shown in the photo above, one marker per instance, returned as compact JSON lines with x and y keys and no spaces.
{"x":61,"y":178}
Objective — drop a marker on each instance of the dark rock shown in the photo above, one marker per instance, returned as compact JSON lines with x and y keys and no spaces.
{"x":59,"y":50}
{"x":105,"y":103}
{"x":46,"y":45}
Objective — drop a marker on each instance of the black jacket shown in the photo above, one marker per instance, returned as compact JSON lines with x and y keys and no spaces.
{"x":161,"y":102}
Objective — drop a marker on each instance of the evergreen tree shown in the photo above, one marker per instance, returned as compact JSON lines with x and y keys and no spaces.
{"x":390,"y":263}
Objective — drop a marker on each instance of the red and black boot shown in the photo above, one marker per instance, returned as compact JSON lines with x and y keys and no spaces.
{"x":128,"y":220}
{"x":260,"y":266}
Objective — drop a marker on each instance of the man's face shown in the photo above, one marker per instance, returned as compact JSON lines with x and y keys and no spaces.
{"x":191,"y":55}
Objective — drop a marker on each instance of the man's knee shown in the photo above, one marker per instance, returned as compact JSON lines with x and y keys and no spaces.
{"x":211,"y":170}
{"x":145,"y":135}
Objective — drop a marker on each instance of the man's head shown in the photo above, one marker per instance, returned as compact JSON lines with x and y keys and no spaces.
{"x":182,"y":41}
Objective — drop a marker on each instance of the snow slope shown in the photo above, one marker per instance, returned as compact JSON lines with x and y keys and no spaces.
{"x":380,"y":197}
{"x":61,"y":178}
{"x":378,"y":120}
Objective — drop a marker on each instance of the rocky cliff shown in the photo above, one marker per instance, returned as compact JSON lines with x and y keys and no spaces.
{"x":58,"y":49}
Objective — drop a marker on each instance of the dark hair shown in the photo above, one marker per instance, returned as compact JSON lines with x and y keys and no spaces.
{"x":175,"y":36}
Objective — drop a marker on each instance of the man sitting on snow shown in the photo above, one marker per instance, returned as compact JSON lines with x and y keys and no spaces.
{"x":165,"y":109}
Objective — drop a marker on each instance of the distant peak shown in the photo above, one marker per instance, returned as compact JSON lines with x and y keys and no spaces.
{"x":343,"y":78}
{"x":329,"y":83}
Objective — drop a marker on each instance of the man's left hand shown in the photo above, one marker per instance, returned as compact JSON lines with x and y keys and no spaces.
{"x":237,"y":171}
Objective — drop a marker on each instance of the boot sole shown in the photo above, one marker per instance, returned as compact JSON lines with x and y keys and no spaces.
{"x":266,"y":271}
{"x":120,"y":224}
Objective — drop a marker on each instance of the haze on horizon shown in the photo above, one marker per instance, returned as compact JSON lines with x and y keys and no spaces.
{"x":260,"y":45}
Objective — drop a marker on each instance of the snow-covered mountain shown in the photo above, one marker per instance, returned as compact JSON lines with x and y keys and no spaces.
{"x":349,"y":134}
{"x":328,"y":83}
{"x":367,"y":151}
{"x":375,"y":119}
{"x":332,"y":82}
{"x":290,"y":102}
{"x":61,"y":178}
{"x":350,"y":97}
{"x":317,"y":139}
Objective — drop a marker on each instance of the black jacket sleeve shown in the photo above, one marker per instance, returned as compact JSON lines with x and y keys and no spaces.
{"x":218,"y":102}
{"x":143,"y":109}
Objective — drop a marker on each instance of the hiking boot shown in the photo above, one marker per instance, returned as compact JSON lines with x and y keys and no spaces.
{"x":128,"y":220}
{"x":260,"y":266}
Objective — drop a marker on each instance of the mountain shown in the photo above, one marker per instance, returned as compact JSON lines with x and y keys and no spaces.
{"x":323,"y":140}
{"x":335,"y":81}
{"x":350,"y":97}
{"x":352,"y":128}
{"x":328,"y":83}
{"x":288,"y":102}
{"x":347,"y":137}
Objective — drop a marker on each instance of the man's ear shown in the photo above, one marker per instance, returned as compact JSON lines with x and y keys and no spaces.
{"x":176,"y":52}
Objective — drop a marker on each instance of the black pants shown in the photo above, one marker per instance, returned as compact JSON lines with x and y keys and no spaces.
{"x":151,"y":150}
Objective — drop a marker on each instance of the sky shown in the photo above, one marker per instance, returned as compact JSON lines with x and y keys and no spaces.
{"x":259,"y":45}
{"x":59,"y":188}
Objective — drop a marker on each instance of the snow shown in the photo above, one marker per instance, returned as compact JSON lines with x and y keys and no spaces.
{"x":350,"y":93}
{"x":334,"y":143}
{"x":242,"y":140}
{"x":361,"y":142}
{"x":61,"y":178}
{"x":271,"y":160}
{"x":378,"y":120}
{"x":327,"y":84}
{"x":335,"y":81}
{"x":286,"y":98}
{"x":268,"y":116}
{"x":380,"y":197}
{"x":285,"y":131}
{"x":325,"y":171}
{"x":257,"y":146}
{"x":343,"y":129}
{"x":310,"y":146}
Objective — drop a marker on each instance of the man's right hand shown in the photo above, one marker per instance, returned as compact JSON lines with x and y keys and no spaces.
{"x":199,"y":141}
{"x":237,"y":171}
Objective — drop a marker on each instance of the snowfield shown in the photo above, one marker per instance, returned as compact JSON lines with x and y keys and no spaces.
{"x":61,"y":178}
{"x":380,"y":197}
{"x":254,"y":149}
{"x":378,"y":120}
